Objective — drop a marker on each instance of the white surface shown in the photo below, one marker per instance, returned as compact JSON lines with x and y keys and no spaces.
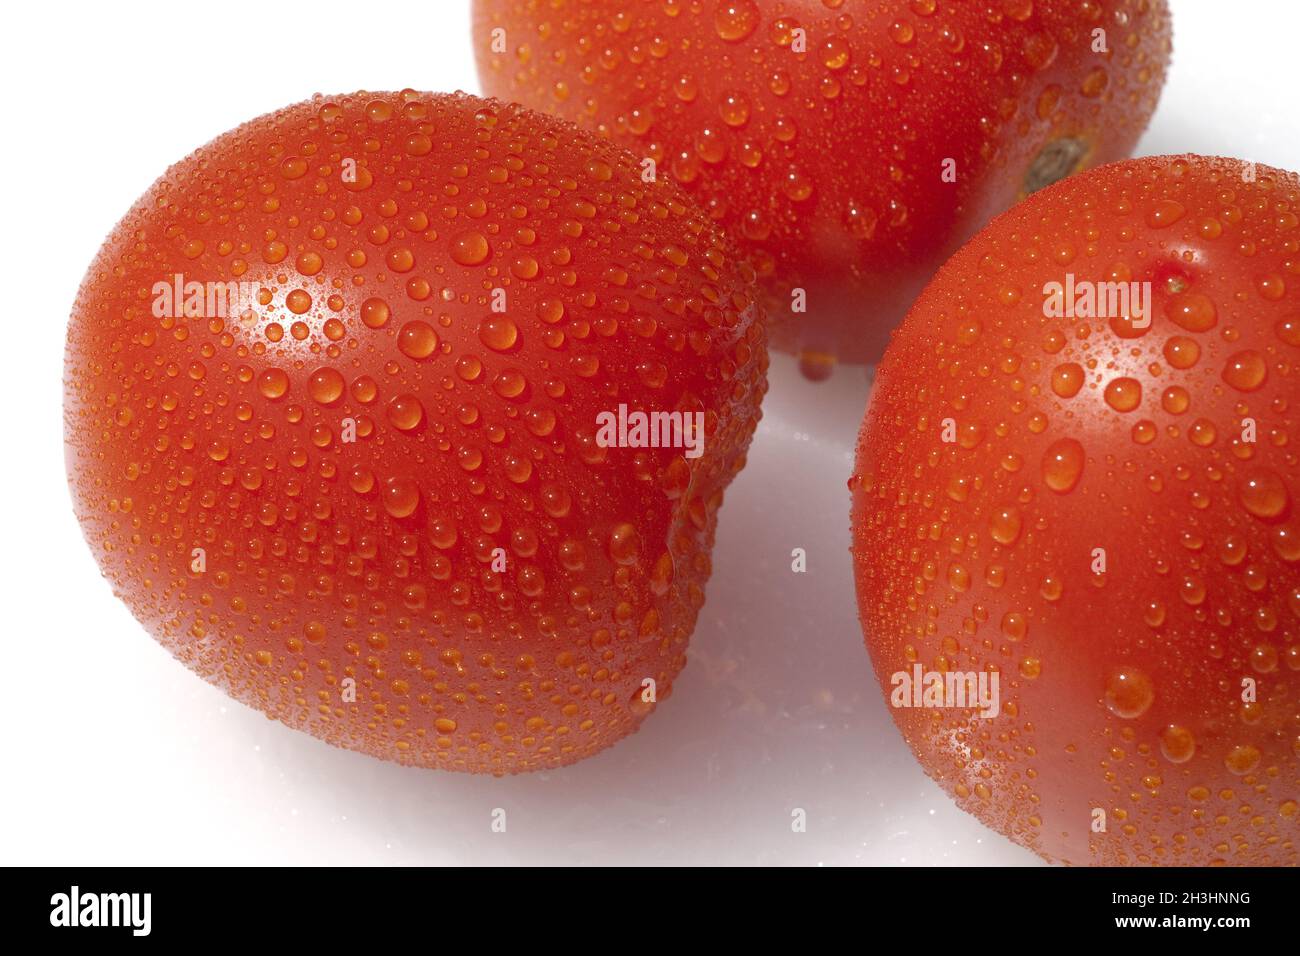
{"x":114,"y":754}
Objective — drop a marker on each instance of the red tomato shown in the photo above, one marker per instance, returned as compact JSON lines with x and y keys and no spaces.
{"x":850,"y":146}
{"x":1098,"y":504}
{"x":372,"y":499}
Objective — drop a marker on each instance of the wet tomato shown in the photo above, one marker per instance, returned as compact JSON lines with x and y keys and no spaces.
{"x":849,"y":146}
{"x":1078,"y":475}
{"x":332,"y":390}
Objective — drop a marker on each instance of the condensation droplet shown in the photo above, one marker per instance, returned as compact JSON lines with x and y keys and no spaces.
{"x":735,"y":19}
{"x":1123,"y":394}
{"x":325,"y":385}
{"x":1063,"y":465}
{"x":375,"y":313}
{"x":470,"y":248}
{"x":401,"y":497}
{"x":1177,"y":744}
{"x":417,"y":339}
{"x":1264,"y":494}
{"x":1246,"y":371}
{"x":499,"y":333}
{"x":1129,"y":693}
{"x":405,"y":412}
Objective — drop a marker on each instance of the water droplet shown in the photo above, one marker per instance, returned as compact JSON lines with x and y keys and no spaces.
{"x":470,"y":248}
{"x":1263,"y":659}
{"x":1005,"y":525}
{"x":735,"y":109}
{"x":1246,"y":371}
{"x":1271,"y":287}
{"x":835,"y":53}
{"x":735,"y":19}
{"x":1175,"y":400}
{"x":1192,"y":311}
{"x":797,"y":186}
{"x":510,"y":383}
{"x":1154,"y":614}
{"x":405,"y":412}
{"x":1182,"y":352}
{"x":1177,"y":744}
{"x":1288,"y":330}
{"x":417,"y":339}
{"x":298,"y":301}
{"x":1144,"y":432}
{"x":499,"y":333}
{"x":1202,"y":433}
{"x":1241,"y":759}
{"x":816,"y":366}
{"x":624,"y":544}
{"x":325,"y":385}
{"x":1129,"y":693}
{"x":1094,"y":84}
{"x":1039,"y":49}
{"x":1067,"y":379}
{"x":401,"y":496}
{"x":401,"y":259}
{"x":1192,"y":590}
{"x":273,"y":383}
{"x":375,"y":313}
{"x":1165,"y":212}
{"x":1264,"y":494}
{"x":1123,"y":394}
{"x":309,"y":263}
{"x":1062,"y":465}
{"x":710,"y":145}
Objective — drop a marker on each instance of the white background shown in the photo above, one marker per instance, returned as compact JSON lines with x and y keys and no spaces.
{"x":115,"y":754}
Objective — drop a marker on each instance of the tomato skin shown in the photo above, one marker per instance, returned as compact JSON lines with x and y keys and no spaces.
{"x":376,"y":560}
{"x":1121,"y":691}
{"x":827,"y":165}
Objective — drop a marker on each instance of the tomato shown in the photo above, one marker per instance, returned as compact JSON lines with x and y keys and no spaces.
{"x":849,"y":146}
{"x":364,"y":488}
{"x":1095,"y":499}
